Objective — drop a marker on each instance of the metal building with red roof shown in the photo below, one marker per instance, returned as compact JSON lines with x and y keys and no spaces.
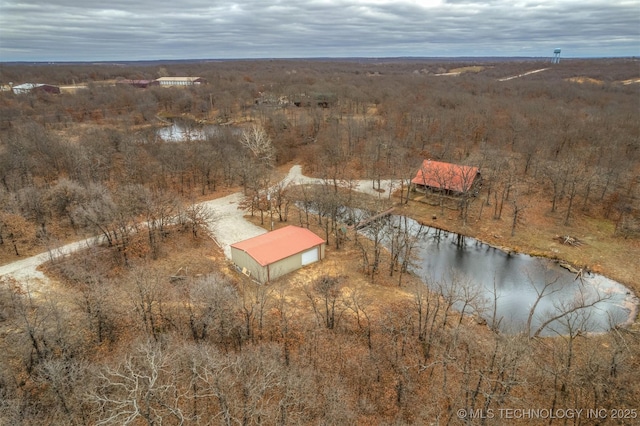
{"x":276,"y":253}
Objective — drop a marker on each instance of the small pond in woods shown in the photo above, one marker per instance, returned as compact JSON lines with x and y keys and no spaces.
{"x":509,"y":290}
{"x":183,"y":131}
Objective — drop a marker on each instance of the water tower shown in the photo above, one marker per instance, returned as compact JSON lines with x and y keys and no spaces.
{"x":556,"y":56}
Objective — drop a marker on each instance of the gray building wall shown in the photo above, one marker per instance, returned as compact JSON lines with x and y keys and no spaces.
{"x":284,"y":266}
{"x":272,"y":271}
{"x":243,"y":260}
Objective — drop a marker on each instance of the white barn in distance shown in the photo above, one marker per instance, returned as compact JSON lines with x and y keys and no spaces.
{"x":180,"y":81}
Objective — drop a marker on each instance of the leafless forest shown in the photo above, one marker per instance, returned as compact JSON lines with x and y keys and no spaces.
{"x":123,"y":338}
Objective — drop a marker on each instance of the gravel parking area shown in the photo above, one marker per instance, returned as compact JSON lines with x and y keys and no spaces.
{"x":230,"y":225}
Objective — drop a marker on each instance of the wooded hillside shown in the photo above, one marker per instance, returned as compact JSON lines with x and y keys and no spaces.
{"x":128,"y":337}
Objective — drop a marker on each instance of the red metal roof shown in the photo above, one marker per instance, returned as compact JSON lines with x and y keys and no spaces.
{"x":279,"y":244}
{"x":452,"y":177}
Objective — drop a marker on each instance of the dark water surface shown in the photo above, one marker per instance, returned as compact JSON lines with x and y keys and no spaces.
{"x":503,"y":287}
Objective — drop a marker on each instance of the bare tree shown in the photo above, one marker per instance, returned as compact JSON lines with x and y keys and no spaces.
{"x":375,"y":229}
{"x":66,"y":381}
{"x":256,"y":302}
{"x":160,"y":211}
{"x":403,"y":235}
{"x":65,"y":197}
{"x":211,"y":311}
{"x":518,"y":206}
{"x":256,"y":141}
{"x":96,"y":300}
{"x":113,"y":215}
{"x":466,"y":176}
{"x":140,"y":388}
{"x":579,"y":180}
{"x":286,"y":315}
{"x":556,"y":173}
{"x":359,"y":304}
{"x":198,"y":217}
{"x":14,"y":229}
{"x":280,"y":200}
{"x":150,"y":296}
{"x":572,"y":315}
{"x":502,"y":189}
{"x":427,"y":305}
{"x":324,"y":294}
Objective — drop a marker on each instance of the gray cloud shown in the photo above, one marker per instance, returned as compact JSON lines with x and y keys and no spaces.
{"x":68,"y":30}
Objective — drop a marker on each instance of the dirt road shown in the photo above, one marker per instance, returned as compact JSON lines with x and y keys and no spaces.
{"x":26,"y":273}
{"x":522,"y":75}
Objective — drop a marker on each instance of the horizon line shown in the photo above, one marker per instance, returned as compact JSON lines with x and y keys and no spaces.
{"x":311,"y":58}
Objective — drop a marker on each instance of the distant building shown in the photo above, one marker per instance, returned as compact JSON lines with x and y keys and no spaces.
{"x":35,"y":87}
{"x":270,"y":99}
{"x":439,"y":176}
{"x":180,"y":81}
{"x":276,"y":253}
{"x":323,"y":100}
{"x":143,"y":84}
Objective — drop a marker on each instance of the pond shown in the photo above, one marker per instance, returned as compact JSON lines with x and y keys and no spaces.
{"x":184,"y":131}
{"x":510,"y":290}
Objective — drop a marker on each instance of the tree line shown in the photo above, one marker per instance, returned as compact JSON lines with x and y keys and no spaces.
{"x":574,"y":145}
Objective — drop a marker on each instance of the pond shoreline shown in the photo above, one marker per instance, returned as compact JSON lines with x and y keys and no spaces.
{"x":631,"y":301}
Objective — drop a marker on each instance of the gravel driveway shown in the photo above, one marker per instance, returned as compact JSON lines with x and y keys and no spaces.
{"x":229,"y":227}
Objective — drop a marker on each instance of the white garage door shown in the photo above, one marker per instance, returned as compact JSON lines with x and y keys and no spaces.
{"x":310,"y":256}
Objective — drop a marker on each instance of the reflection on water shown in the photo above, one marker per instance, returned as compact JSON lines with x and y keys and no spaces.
{"x":508,"y":290}
{"x":505,"y":288}
{"x":182,"y":131}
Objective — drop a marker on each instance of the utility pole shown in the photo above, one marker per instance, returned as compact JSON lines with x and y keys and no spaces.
{"x":270,"y":210}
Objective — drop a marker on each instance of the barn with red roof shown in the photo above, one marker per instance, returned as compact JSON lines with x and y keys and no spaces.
{"x":450,"y":178}
{"x":276,"y":253}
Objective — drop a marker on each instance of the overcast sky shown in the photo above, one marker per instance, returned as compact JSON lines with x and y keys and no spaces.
{"x":106,"y":30}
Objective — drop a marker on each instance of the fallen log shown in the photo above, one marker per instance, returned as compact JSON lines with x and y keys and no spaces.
{"x":569,"y":240}
{"x":365,"y":222}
